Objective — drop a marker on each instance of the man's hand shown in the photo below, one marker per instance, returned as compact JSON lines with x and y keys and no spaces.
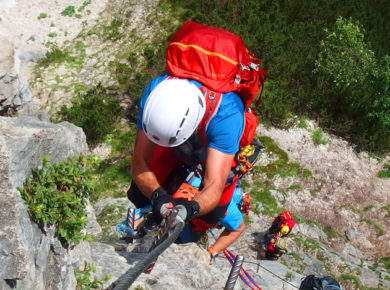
{"x":189,"y":210}
{"x":161,"y":202}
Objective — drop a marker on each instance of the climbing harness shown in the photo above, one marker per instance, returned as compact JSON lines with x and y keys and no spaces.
{"x":245,"y":203}
{"x":247,"y":157}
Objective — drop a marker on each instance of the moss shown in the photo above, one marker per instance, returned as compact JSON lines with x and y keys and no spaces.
{"x":318,"y":137}
{"x":306,"y":243}
{"x":114,"y":178}
{"x":302,"y":123}
{"x":386,"y":263}
{"x":42,"y":16}
{"x":368,"y":208}
{"x":331,"y":233}
{"x":113,"y":30}
{"x":378,"y":228}
{"x":271,"y":146}
{"x":110,"y":215}
{"x":261,"y":192}
{"x":306,"y":173}
{"x":352,"y":209}
{"x":294,"y":187}
{"x":247,"y":220}
{"x":296,"y":256}
{"x":385,"y":173}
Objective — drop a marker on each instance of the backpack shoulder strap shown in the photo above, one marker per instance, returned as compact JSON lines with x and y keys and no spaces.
{"x":213,"y":100}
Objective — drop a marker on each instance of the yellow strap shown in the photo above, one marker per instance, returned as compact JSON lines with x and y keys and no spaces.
{"x":205,"y":51}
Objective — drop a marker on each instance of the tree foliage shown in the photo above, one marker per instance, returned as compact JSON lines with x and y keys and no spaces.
{"x":325,"y":59}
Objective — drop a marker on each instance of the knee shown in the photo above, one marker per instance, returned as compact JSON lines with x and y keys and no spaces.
{"x":241,"y":227}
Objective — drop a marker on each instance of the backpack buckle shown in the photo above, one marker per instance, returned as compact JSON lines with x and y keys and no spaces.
{"x":244,"y":67}
{"x":212,"y":95}
{"x":254,"y":66}
{"x":237,"y":80}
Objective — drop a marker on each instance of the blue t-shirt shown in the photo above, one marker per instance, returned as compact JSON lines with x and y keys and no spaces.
{"x":224,"y":129}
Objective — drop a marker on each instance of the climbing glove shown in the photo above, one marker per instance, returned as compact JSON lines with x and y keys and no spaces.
{"x":189,"y":209}
{"x":159,"y":198}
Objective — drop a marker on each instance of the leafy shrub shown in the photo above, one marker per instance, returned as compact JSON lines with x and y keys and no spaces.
{"x":344,"y":56}
{"x":355,"y":86}
{"x":55,"y":195}
{"x":287,"y":38}
{"x":95,"y":112}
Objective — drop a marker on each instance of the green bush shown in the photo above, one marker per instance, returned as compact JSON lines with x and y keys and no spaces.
{"x":355,"y":86}
{"x":95,"y":112}
{"x":344,"y":56}
{"x":287,"y":35}
{"x":55,"y":195}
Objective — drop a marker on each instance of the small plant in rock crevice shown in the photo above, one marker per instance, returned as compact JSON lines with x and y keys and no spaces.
{"x":56,"y":195}
{"x":84,"y":278}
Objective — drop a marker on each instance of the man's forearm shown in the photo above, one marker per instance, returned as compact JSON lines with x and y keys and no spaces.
{"x":146,"y":182}
{"x":209,"y":197}
{"x":140,"y":169}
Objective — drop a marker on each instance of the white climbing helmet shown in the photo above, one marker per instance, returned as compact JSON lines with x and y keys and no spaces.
{"x":172,"y":112}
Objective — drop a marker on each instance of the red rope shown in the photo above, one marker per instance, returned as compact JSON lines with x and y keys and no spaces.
{"x":229,"y":255}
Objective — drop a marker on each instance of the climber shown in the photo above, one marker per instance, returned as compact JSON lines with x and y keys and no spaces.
{"x":282,"y":224}
{"x":273,"y":248}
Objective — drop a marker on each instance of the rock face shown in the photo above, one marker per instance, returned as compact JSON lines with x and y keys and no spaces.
{"x":344,"y":190}
{"x":25,"y":250}
{"x":10,"y":94}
